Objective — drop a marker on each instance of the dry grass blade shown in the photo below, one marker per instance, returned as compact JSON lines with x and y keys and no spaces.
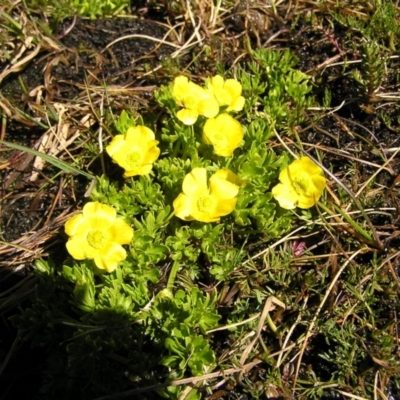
{"x":268,"y":306}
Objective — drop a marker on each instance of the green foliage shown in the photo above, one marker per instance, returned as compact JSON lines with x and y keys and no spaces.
{"x":178,"y":321}
{"x":382,"y":27}
{"x":95,"y":8}
{"x":91,"y":8}
{"x":124,"y":122}
{"x":281,"y":90}
{"x":373,"y":70}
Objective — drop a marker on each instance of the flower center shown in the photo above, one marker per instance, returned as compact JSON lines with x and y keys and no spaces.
{"x":96,"y":238}
{"x":224,"y":98}
{"x":206,"y":204}
{"x":133,"y":160}
{"x":190,"y":102}
{"x":301,"y":185}
{"x":218,"y":140}
{"x":219,"y":137}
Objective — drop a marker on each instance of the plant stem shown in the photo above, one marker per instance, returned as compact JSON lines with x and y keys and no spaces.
{"x":172,"y":275}
{"x":356,"y":226}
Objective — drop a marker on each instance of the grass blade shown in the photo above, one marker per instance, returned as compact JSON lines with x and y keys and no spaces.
{"x":50,"y":159}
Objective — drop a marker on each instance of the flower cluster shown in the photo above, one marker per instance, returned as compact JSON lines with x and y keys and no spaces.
{"x":221,"y":131}
{"x":98,"y":234}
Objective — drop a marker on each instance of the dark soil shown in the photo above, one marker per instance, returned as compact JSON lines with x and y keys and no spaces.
{"x":82,"y":60}
{"x":103,"y":53}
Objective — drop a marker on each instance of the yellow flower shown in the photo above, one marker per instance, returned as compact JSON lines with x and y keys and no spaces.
{"x":224,"y":133}
{"x":228,"y":93}
{"x":135,"y":152}
{"x":207,"y":203}
{"x":302,"y":183}
{"x":96,"y":233}
{"x":194,"y":99}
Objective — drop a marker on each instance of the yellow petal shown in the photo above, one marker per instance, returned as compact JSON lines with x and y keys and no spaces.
{"x":196,"y":90}
{"x":145,"y":169}
{"x":139,"y":135}
{"x":217,"y":82}
{"x":116,"y":144}
{"x":284,"y":176}
{"x":182,"y":207}
{"x":188,"y":117}
{"x":230,"y":176}
{"x":306,"y":202}
{"x":285,"y":195}
{"x":233,"y":87}
{"x":99,"y":216}
{"x":223,"y":97}
{"x":222,"y":189}
{"x":121,"y":232}
{"x":76,"y":225}
{"x":208,"y":107}
{"x":319,"y":182}
{"x":180,"y":87}
{"x":75,"y":248}
{"x":237,"y":104}
{"x":225,"y":207}
{"x":133,"y":172}
{"x":110,"y":256}
{"x":233,"y":127}
{"x":204,"y":217}
{"x":90,"y":252}
{"x":310,"y":166}
{"x":195,"y":182}
{"x":224,"y":151}
{"x":152,"y":152}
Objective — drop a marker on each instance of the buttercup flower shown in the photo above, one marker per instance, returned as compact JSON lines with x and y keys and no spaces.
{"x":302,"y":183}
{"x":194,"y":99}
{"x":224,"y":133}
{"x":96,"y":233}
{"x":207,"y":203}
{"x":228,"y":93}
{"x":135,"y":152}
